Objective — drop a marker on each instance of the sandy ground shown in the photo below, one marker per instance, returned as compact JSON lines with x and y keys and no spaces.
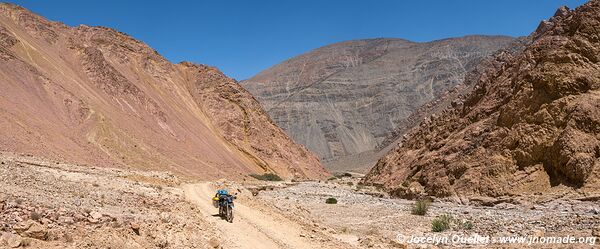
{"x":47,"y":204}
{"x":253,"y":227}
{"x":364,"y":218}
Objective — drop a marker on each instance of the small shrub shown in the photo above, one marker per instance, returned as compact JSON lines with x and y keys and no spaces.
{"x":437,"y":226}
{"x":441,"y":223}
{"x":332,"y":178}
{"x":346,"y":174}
{"x":331,"y":200}
{"x":467,"y":225}
{"x":267,"y":177}
{"x":350,"y":184}
{"x":35,"y":215}
{"x":420,"y":207}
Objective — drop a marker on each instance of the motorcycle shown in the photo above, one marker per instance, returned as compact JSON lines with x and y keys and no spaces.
{"x":226,"y":207}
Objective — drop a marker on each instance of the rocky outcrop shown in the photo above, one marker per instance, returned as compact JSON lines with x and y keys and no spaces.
{"x":96,"y":96}
{"x":44,"y":204}
{"x":530,"y":125}
{"x":348,"y":98}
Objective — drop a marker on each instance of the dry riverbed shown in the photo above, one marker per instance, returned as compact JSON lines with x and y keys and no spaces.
{"x":46,"y":204}
{"x":363,"y":218}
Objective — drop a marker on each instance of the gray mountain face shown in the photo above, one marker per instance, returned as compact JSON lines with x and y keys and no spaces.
{"x":348,"y":98}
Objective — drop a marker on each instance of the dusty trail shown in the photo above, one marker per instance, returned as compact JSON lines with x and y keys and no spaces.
{"x":251,"y":228}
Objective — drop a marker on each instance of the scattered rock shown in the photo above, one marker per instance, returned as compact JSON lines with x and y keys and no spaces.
{"x":11,"y":240}
{"x":79,"y":217}
{"x":527,"y":205}
{"x":95,"y":215}
{"x":66,"y":220}
{"x":23,"y":226}
{"x":54,"y":234}
{"x":135,"y":227}
{"x":60,"y":224}
{"x":45,"y":221}
{"x":562,"y":11}
{"x":214,"y":243}
{"x":36,"y":231}
{"x":538,"y":233}
{"x":590,"y":198}
{"x":483,"y":201}
{"x":397,"y":244}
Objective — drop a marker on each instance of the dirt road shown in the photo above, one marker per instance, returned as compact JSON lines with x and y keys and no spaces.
{"x":252,"y":228}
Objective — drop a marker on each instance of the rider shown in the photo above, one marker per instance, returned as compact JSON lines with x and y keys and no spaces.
{"x":221,"y":194}
{"x":224,"y":201}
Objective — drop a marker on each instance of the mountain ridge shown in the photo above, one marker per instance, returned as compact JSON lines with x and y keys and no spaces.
{"x":312,"y":96}
{"x":529,"y":127}
{"x":94,"y":95}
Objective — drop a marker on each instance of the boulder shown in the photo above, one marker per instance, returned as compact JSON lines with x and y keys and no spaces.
{"x":66,"y":220}
{"x":596,"y":232}
{"x":95,"y":215}
{"x":135,"y":227}
{"x":36,"y":231}
{"x":22,"y":226}
{"x":214,"y":243}
{"x":10,"y":240}
{"x":483,"y":201}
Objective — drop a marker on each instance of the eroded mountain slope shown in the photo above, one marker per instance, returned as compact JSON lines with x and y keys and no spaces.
{"x":531,"y":124}
{"x":348,"y":98}
{"x":93,"y":95}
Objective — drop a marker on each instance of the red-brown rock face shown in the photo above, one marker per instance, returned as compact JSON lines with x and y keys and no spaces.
{"x":531,"y":123}
{"x":96,"y":96}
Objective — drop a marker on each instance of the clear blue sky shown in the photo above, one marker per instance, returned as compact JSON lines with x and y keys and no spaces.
{"x":244,"y":37}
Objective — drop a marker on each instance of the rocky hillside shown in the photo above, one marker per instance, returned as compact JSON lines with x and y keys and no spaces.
{"x":348,"y":98}
{"x":56,"y":205}
{"x":530,"y":126}
{"x":93,"y":95}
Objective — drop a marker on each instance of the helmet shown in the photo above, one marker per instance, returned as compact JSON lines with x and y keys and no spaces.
{"x":222,"y":192}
